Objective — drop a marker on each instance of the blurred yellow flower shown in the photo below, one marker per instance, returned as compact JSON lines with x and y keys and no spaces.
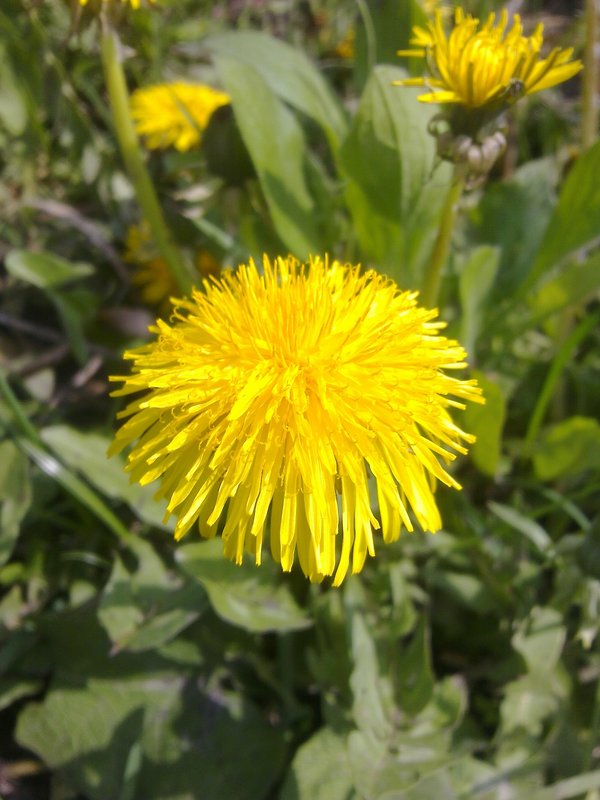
{"x":282,"y":399}
{"x":477,"y":66}
{"x":345,"y":48}
{"x":135,"y":4}
{"x":174,"y":114}
{"x":152,"y":275}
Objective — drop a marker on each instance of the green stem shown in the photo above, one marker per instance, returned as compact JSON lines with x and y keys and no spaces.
{"x":134,"y":162}
{"x":559,"y":362}
{"x":439,"y":255}
{"x":370,"y":38}
{"x":591,"y":75}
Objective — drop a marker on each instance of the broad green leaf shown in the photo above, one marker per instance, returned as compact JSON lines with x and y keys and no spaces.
{"x":475,"y":282}
{"x":85,"y":452}
{"x":197,"y":740}
{"x":392,"y":189}
{"x":486,"y":422}
{"x":568,"y":448}
{"x":527,"y":704}
{"x":320,"y":770}
{"x":370,"y":690}
{"x":276,"y":143}
{"x":575,"y":283}
{"x":513,"y":216}
{"x":44,"y":270}
{"x":246,"y":595}
{"x":146,"y":607}
{"x":414,"y":677}
{"x":288,"y":73}
{"x":15,"y":496}
{"x":540,"y":640}
{"x":437,"y":785}
{"x":574,"y":224}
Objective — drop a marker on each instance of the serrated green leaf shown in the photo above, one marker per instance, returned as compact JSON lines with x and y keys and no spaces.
{"x":392,"y":190}
{"x":414,"y":678}
{"x":372,"y":695}
{"x":148,"y":606}
{"x":245,"y":595}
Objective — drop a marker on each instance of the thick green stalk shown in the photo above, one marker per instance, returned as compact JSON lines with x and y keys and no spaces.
{"x":591,"y":75}
{"x":439,"y":255}
{"x":134,"y":162}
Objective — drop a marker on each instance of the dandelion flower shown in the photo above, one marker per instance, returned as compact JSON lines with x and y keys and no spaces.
{"x":485,"y":65}
{"x":174,"y":114}
{"x":135,"y":4}
{"x":280,"y":400}
{"x":152,"y":275}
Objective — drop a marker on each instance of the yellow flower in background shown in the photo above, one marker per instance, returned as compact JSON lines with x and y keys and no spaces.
{"x":152,"y":275}
{"x":279,"y":400}
{"x":478,"y":65}
{"x":174,"y":114}
{"x":345,"y":48}
{"x":135,"y":4}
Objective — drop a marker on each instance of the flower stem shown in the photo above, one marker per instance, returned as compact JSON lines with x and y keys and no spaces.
{"x":134,"y":162}
{"x":439,"y":255}
{"x":591,"y":75}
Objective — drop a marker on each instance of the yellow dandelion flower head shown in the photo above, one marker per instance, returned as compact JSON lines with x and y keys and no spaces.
{"x":174,"y":114}
{"x":286,"y":401}
{"x":478,"y":65}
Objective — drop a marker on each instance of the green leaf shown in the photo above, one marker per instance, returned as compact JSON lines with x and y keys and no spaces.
{"x":85,"y":452}
{"x":288,"y":73}
{"x":13,"y":108}
{"x":414,"y":677}
{"x":44,"y":270}
{"x":276,"y":143}
{"x":475,"y":282}
{"x":15,"y":496}
{"x":513,"y":216}
{"x":371,"y":692}
{"x":320,"y":770}
{"x":568,"y":448}
{"x":574,"y":224}
{"x":13,"y":689}
{"x":528,"y":527}
{"x":575,"y":283}
{"x":197,"y":740}
{"x":540,"y":640}
{"x":392,"y":190}
{"x":570,"y":787}
{"x":486,"y":422}
{"x":246,"y":595}
{"x":149,"y":606}
{"x":527,"y":704}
